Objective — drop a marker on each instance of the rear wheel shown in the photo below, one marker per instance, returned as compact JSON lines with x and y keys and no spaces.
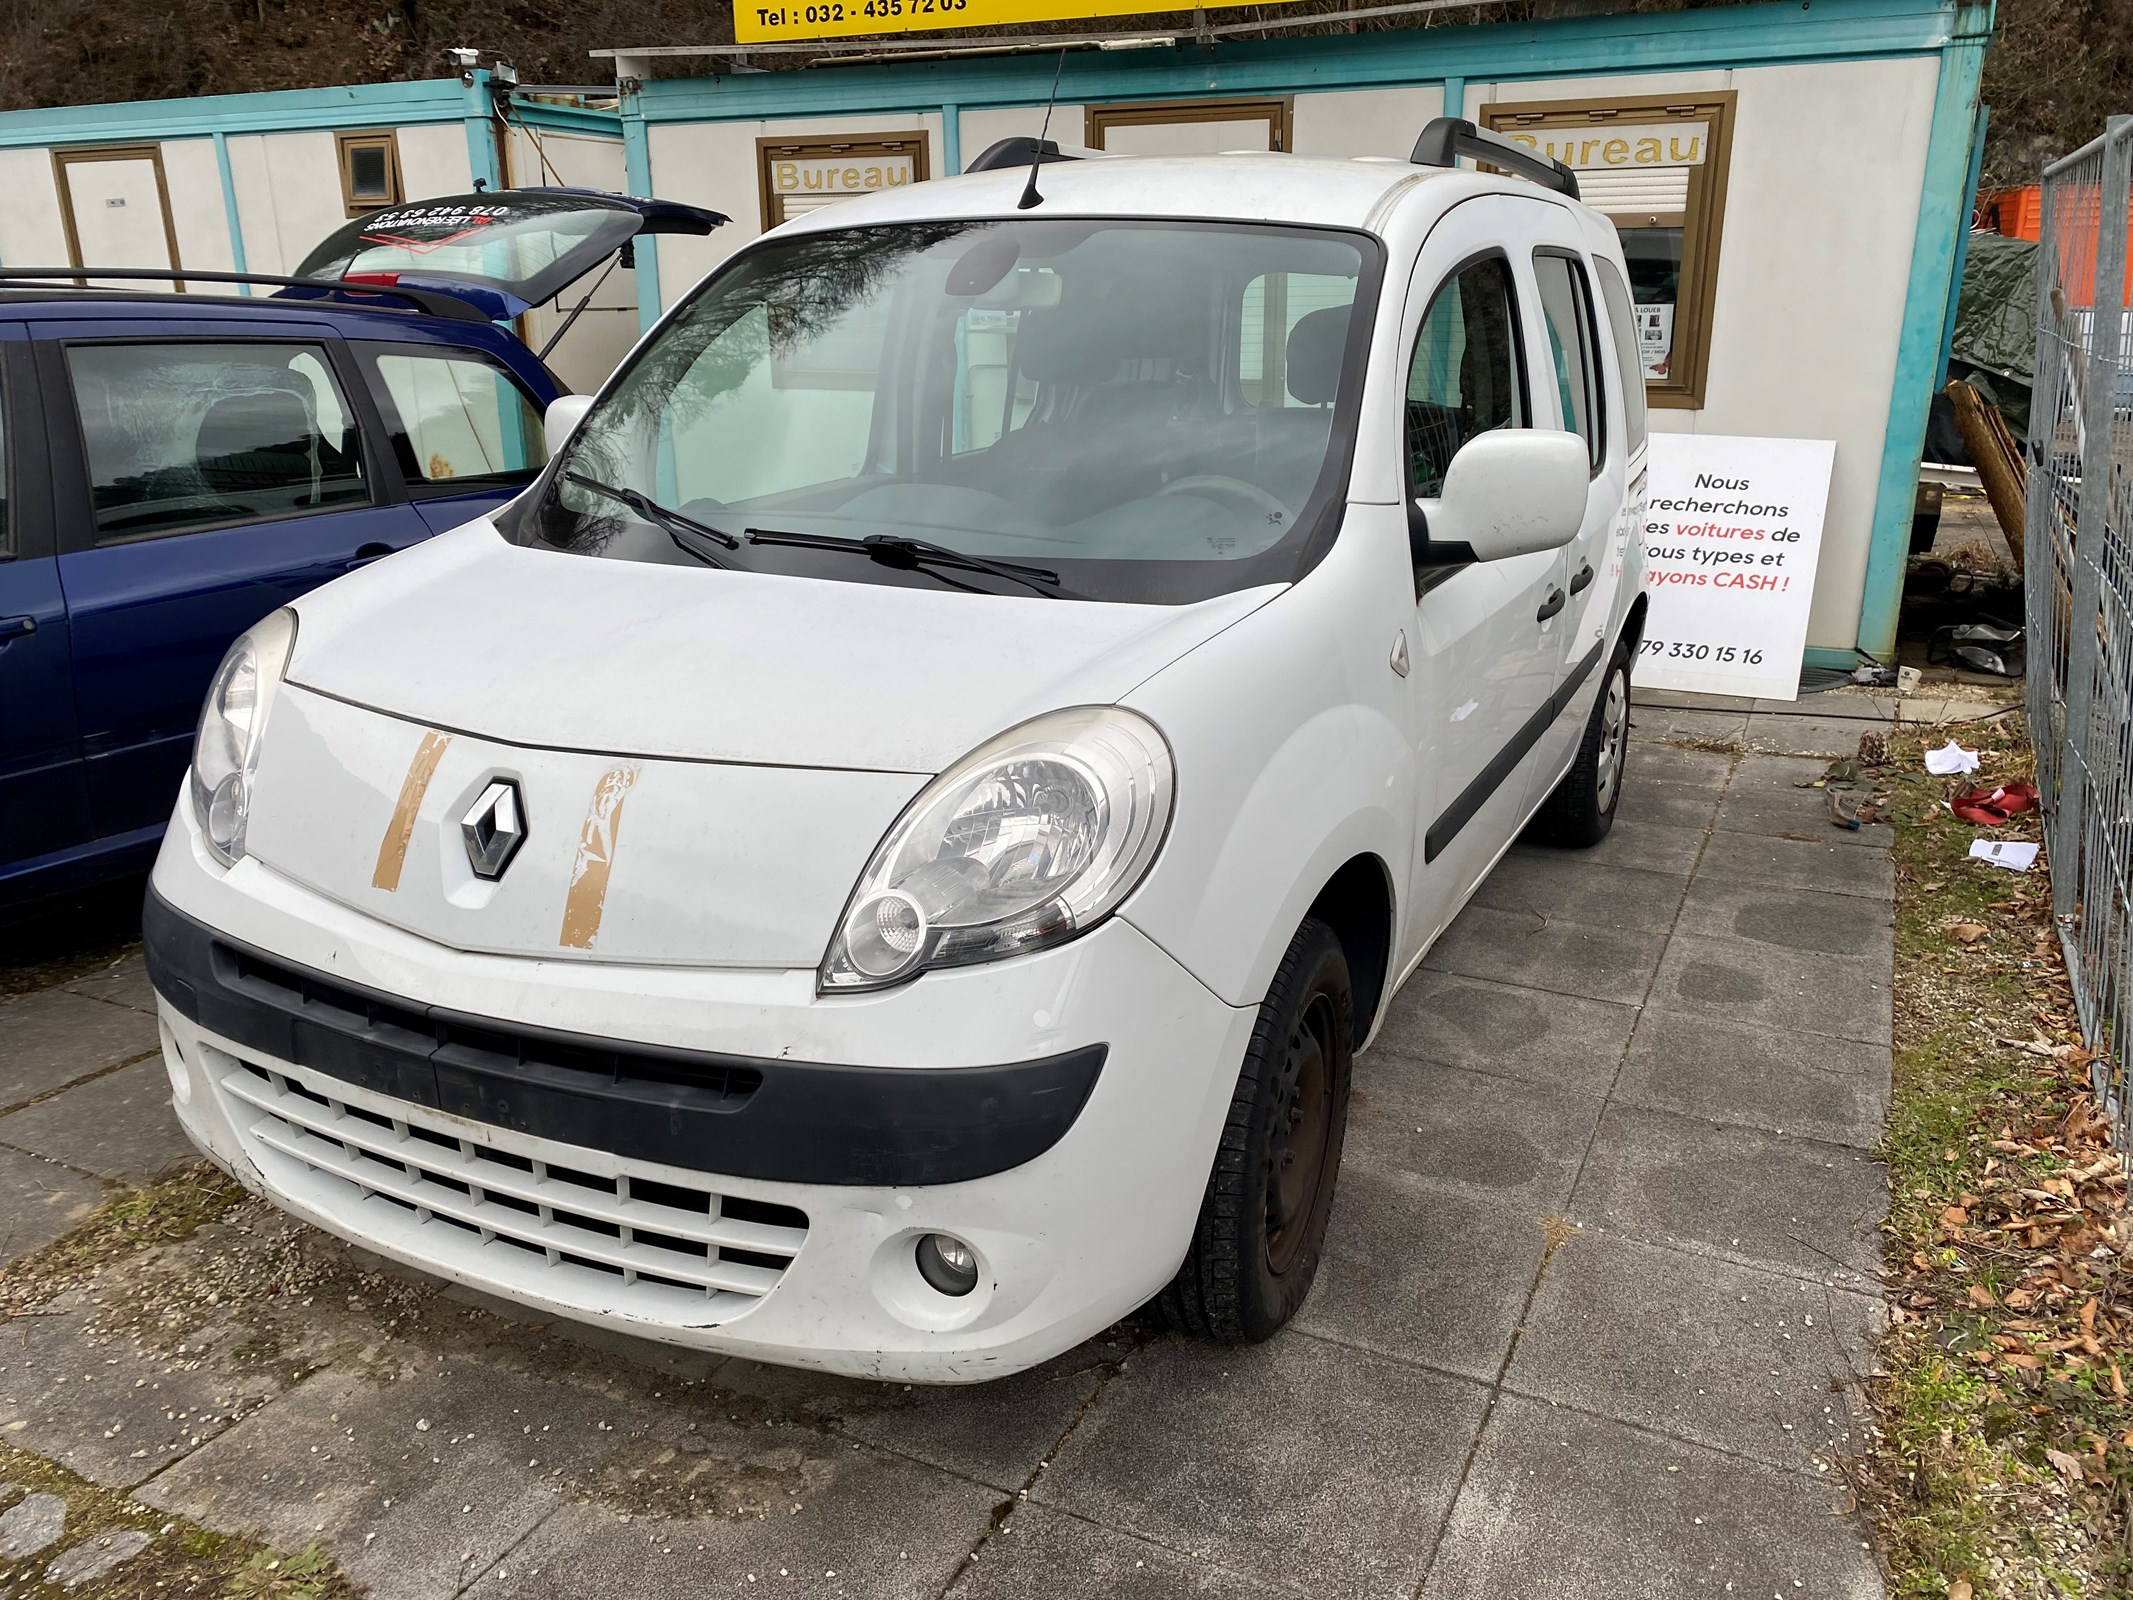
{"x":1255,"y":1248}
{"x":1582,"y":808}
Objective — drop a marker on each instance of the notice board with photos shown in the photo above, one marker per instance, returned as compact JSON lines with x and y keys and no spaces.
{"x":1732,"y":535}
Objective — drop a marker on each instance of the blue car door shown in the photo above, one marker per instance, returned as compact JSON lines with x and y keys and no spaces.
{"x":44,"y":813}
{"x":466,"y":433}
{"x":203,"y":477}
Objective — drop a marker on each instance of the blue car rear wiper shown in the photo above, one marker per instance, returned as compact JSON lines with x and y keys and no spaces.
{"x":896,"y":550}
{"x":678,"y":526}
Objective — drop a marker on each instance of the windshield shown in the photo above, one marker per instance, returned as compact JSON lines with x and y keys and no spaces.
{"x":1148,"y":412}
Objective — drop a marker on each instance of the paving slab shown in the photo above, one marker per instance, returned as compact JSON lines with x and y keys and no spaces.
{"x":875,"y":1526}
{"x":1764,"y":797}
{"x":1562,"y":1503}
{"x":53,"y":1038}
{"x":448,"y":1465}
{"x":1805,"y":991}
{"x":1673,"y":724}
{"x":1296,"y":1460}
{"x":1793,"y":919}
{"x":1651,"y":845}
{"x":117,"y":1126}
{"x":1558,"y":1041}
{"x":1547,"y":953}
{"x":1795,"y":1205}
{"x":1802,"y":735}
{"x":1851,"y":706}
{"x":123,"y":983}
{"x":1040,"y":1554}
{"x":1672,"y":805}
{"x":1816,"y":861}
{"x":1767,"y":1078}
{"x":116,"y":1408}
{"x":1760,"y":1364}
{"x":1424,"y":1273}
{"x":1490,"y":1136}
{"x":1650,"y":762}
{"x":39,"y":1201}
{"x":1626,"y":898}
{"x":1685,"y":700}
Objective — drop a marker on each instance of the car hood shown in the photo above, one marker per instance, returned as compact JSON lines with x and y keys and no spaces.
{"x":470,"y":633}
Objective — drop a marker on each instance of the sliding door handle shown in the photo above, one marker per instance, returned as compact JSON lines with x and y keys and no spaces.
{"x":1583,"y":581}
{"x":1555,"y":602}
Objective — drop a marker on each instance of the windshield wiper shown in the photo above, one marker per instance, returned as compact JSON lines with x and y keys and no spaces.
{"x":678,"y":526}
{"x":896,"y":550}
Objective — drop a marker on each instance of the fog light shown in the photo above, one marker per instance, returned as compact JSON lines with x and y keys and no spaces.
{"x":947,"y":1263}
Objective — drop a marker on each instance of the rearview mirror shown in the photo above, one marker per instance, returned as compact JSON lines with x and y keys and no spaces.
{"x":1509,"y":492}
{"x":561,"y":420}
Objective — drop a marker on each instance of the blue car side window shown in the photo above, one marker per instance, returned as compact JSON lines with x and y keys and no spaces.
{"x":195,"y":434}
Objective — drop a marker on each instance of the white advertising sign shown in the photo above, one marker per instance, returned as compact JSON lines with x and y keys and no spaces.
{"x":1732,"y":531}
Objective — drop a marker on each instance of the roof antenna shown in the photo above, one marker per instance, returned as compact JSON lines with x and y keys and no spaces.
{"x":1030,"y":196}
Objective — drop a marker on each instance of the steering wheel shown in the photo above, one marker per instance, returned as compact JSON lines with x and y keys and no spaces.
{"x":1243,"y":496}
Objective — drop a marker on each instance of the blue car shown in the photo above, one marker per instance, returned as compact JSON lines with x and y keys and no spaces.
{"x":175,"y":466}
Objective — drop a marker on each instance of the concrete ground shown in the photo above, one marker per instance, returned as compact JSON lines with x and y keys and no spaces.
{"x":1599,"y":1292}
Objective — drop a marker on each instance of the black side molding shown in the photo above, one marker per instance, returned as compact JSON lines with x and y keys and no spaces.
{"x":1505,"y":762}
{"x":738,"y":1116}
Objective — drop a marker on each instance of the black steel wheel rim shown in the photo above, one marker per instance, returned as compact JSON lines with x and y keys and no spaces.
{"x":1302,"y":1129}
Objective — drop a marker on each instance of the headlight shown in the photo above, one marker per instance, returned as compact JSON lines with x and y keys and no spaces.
{"x":231,"y":723}
{"x":1027,"y":841}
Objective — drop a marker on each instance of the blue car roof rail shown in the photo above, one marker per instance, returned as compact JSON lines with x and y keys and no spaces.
{"x":427,"y":301}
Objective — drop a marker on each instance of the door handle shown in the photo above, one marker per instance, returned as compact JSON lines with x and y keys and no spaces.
{"x":16,"y":627}
{"x":1583,"y":580}
{"x":366,"y":554}
{"x":1555,"y":602}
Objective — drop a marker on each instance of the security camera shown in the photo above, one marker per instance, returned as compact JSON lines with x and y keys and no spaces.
{"x":463,"y":58}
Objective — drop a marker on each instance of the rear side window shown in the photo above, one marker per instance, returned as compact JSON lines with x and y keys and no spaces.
{"x":1466,"y":376}
{"x":191,"y":434}
{"x":1566,"y":306}
{"x":455,"y":418}
{"x":1629,"y":358}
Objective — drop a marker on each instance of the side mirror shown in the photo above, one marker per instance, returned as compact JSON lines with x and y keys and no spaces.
{"x":561,"y":420}
{"x":1509,"y":492}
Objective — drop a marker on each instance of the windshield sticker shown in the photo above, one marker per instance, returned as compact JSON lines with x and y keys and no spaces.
{"x":411,"y":230}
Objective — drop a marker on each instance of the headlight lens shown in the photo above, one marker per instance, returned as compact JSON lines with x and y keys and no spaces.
{"x":227,"y":748}
{"x":1027,"y":841}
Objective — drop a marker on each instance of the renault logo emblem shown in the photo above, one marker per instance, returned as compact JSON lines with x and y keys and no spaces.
{"x":493,"y":828}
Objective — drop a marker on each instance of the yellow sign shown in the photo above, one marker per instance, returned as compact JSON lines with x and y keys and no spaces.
{"x":755,"y":23}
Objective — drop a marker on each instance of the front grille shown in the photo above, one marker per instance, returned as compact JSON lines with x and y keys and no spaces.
{"x":629,"y":1243}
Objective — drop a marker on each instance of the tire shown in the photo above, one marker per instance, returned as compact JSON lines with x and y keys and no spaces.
{"x":1582,"y":808}
{"x":1262,"y":1225}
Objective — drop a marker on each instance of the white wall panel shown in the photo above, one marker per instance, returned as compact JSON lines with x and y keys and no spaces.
{"x":31,"y":231}
{"x":193,"y":181}
{"x":433,"y":160}
{"x":1363,"y":122}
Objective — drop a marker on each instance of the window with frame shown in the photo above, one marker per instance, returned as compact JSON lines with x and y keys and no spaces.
{"x":187,"y":435}
{"x":1622,"y":327}
{"x":1656,"y":165}
{"x":370,"y":172}
{"x":796,"y":176}
{"x":1467,"y":375}
{"x":1573,"y":356}
{"x":454,"y":418}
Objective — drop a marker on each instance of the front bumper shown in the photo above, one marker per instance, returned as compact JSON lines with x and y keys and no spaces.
{"x":1085,"y":1218}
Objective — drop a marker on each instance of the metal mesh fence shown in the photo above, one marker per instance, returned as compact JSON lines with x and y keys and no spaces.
{"x":2079,"y":585}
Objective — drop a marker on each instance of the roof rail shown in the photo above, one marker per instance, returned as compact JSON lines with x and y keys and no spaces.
{"x":1446,"y":139}
{"x":428,"y":301}
{"x":1018,"y":150}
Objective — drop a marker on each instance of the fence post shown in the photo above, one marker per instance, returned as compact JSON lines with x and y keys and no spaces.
{"x":2091,"y":529}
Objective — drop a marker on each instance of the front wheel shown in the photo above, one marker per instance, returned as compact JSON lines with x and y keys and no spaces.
{"x":1255,"y":1248}
{"x":1582,"y":808}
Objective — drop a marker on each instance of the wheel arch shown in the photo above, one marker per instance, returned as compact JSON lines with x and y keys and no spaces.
{"x":1357,"y":904}
{"x":1633,"y":623}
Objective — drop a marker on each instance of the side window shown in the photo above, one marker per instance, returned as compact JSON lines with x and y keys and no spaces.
{"x":192,"y":434}
{"x":1566,"y":308}
{"x":1629,"y":361}
{"x":454,"y":418}
{"x":1467,"y":375}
